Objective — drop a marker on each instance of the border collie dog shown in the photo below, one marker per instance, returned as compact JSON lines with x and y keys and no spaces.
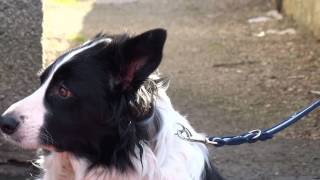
{"x":102,"y":113}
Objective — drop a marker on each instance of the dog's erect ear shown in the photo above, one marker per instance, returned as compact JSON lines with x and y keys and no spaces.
{"x":142,"y":55}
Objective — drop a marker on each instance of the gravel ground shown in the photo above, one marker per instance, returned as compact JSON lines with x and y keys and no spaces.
{"x":227,"y":80}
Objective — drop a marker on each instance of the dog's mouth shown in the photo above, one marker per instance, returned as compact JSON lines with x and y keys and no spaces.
{"x":31,"y":138}
{"x":26,"y":143}
{"x":49,"y":148}
{"x":26,"y":137}
{"x":13,"y":139}
{"x":47,"y":143}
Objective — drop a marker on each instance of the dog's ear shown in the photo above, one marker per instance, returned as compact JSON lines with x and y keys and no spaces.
{"x":142,"y":55}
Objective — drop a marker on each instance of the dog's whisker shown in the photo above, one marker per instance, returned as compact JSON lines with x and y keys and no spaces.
{"x":45,"y":133}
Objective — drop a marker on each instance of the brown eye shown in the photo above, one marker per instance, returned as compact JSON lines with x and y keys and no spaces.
{"x":64,"y":92}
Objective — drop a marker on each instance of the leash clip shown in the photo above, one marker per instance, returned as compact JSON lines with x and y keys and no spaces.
{"x":185,"y":134}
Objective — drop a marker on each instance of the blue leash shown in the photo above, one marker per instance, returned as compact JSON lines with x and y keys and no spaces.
{"x":249,"y":137}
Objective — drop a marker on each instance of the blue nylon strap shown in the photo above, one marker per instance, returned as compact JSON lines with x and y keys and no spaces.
{"x":262,"y":135}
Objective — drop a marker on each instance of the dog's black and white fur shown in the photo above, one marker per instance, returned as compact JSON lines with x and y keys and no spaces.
{"x":103,"y":114}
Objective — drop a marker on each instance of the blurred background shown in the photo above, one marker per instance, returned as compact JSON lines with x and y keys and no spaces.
{"x":234,"y":65}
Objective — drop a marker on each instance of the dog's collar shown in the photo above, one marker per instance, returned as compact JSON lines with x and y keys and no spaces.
{"x":148,"y":120}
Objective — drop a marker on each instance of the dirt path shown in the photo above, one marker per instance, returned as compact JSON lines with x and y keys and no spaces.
{"x":228,"y":81}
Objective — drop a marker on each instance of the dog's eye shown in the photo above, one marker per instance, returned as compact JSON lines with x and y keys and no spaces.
{"x":64,"y":92}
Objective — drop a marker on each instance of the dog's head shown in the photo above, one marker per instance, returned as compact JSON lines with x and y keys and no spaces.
{"x":86,"y":95}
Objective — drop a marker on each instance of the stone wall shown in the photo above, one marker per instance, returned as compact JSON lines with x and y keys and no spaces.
{"x":20,"y":59}
{"x":305,"y":12}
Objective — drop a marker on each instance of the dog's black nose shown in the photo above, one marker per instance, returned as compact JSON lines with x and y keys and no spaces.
{"x":8,"y":124}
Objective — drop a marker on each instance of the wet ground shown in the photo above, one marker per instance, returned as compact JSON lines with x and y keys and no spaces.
{"x":224,"y":77}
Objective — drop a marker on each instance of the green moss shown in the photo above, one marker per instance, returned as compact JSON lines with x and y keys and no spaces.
{"x":216,"y":46}
{"x":78,"y":38}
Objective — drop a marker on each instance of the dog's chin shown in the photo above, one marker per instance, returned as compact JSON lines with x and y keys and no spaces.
{"x":23,"y":142}
{"x":28,"y":144}
{"x":49,"y":148}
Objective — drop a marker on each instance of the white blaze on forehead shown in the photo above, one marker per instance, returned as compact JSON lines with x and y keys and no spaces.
{"x":31,"y":110}
{"x":69,"y":56}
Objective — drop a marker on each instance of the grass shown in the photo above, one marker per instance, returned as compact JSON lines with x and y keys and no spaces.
{"x":77,"y":38}
{"x":216,"y":45}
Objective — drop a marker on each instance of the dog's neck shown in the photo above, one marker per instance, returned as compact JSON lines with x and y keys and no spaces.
{"x":151,"y":126}
{"x":62,"y":165}
{"x":118,"y":158}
